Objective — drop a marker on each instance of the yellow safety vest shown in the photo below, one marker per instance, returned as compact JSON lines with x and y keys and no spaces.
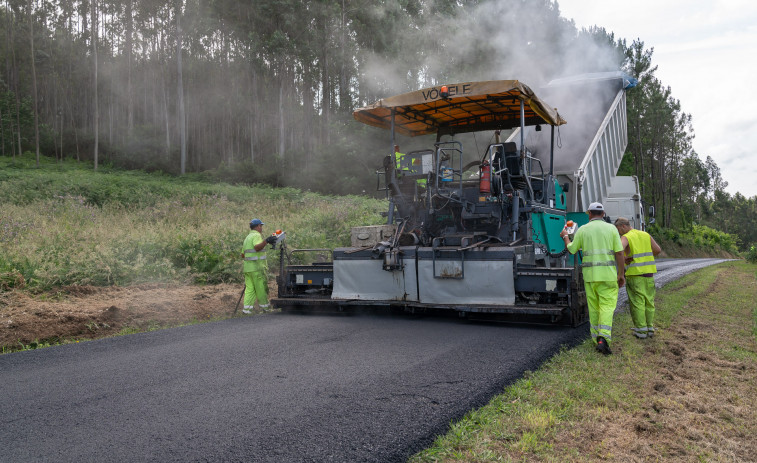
{"x":254,"y":260}
{"x":599,"y":241}
{"x":640,"y":245}
{"x":398,"y":159}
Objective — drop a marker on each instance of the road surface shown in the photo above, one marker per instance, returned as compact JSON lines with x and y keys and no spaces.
{"x":271,"y":388}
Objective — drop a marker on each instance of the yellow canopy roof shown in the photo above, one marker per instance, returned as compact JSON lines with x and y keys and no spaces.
{"x":470,"y":107}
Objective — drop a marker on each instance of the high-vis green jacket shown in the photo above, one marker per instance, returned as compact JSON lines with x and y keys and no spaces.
{"x":254,"y":260}
{"x":599,"y":242}
{"x":640,"y":244}
{"x":399,"y":157}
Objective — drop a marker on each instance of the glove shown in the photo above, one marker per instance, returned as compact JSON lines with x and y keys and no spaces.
{"x":271,"y":240}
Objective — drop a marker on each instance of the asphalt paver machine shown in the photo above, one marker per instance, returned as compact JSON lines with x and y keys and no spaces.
{"x":479,"y":239}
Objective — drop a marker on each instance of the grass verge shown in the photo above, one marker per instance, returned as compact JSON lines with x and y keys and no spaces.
{"x":62,"y":224}
{"x":685,"y":395}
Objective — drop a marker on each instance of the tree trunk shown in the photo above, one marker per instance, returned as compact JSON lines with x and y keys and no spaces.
{"x":60,"y":133}
{"x":8,"y":42}
{"x":253,"y":104}
{"x":9,"y":78}
{"x":76,"y":131}
{"x":2,"y":132}
{"x":252,"y":139}
{"x":345,"y":100}
{"x":282,"y":133}
{"x":166,"y":114}
{"x":180,"y":89}
{"x":16,"y":93}
{"x":325,"y":88}
{"x":653,"y":180}
{"x":12,"y":138}
{"x":129,"y":45}
{"x":663,"y":196}
{"x":96,"y":118}
{"x":34,"y":79}
{"x":639,"y":157}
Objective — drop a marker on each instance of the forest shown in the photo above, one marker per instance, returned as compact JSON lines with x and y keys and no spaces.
{"x":263,"y":91}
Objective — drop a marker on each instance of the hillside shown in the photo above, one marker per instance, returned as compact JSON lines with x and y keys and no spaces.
{"x":87,"y":254}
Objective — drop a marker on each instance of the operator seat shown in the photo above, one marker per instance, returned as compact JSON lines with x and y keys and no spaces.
{"x":512,"y":162}
{"x":498,"y":162}
{"x":512,"y":159}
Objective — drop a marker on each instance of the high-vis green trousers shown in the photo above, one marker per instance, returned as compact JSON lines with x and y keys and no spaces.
{"x":256,"y":288}
{"x":602,"y":297}
{"x":641,"y":293}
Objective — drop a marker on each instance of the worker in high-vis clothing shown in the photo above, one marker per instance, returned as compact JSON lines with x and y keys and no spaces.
{"x":398,"y":158}
{"x":255,"y":267}
{"x":602,"y":267}
{"x":640,"y":249}
{"x":403,"y":170}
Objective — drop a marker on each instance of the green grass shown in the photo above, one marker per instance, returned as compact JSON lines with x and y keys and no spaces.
{"x":550,"y":414}
{"x":63,"y":224}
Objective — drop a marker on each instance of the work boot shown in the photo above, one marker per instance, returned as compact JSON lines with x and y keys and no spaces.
{"x":639,"y":333}
{"x":602,"y":346}
{"x":247,"y":311}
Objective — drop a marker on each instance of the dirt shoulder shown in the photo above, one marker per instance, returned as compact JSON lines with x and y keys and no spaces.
{"x":77,"y":313}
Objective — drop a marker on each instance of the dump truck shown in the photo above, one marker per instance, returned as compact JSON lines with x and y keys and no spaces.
{"x":469,"y":233}
{"x":591,"y":147}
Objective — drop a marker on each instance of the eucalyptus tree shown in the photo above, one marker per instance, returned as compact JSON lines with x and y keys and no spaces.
{"x":13,"y":11}
{"x":95,"y":84}
{"x":34,"y":79}
{"x":180,"y":115}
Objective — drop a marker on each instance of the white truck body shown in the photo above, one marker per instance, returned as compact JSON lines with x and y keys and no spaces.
{"x":624,"y":200}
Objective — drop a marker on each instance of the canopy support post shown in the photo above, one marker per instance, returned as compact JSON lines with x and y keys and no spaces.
{"x":522,"y":128}
{"x":552,"y":152}
{"x":394,"y":111}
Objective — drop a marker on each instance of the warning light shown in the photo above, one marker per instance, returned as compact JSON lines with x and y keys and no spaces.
{"x":569,"y":223}
{"x":444,"y":91}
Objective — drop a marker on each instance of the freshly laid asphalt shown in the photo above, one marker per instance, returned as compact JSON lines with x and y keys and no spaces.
{"x":271,"y":388}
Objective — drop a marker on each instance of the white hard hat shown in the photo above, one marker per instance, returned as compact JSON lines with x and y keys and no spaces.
{"x":596,"y":207}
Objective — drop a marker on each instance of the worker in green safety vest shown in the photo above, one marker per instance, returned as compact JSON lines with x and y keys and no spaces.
{"x":602,"y":267}
{"x":398,"y":158}
{"x":640,"y":249}
{"x":255,"y":267}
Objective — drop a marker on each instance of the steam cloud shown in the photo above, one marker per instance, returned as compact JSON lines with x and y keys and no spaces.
{"x":528,"y":41}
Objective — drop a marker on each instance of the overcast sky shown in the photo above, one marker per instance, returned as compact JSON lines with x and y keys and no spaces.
{"x":706,"y":52}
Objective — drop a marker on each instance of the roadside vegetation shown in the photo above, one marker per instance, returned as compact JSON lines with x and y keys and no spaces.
{"x":751,"y":255}
{"x":685,"y":395}
{"x":62,"y":224}
{"x":696,"y":241}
